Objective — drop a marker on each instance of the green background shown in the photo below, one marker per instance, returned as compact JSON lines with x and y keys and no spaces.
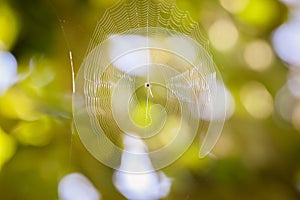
{"x":258,"y":156}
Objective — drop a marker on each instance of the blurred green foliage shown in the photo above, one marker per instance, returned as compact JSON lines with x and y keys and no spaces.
{"x":257,"y":158}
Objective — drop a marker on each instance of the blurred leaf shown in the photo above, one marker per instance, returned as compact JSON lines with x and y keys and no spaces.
{"x":9,"y":26}
{"x":16,"y":104}
{"x":7,"y":147}
{"x":36,"y":133}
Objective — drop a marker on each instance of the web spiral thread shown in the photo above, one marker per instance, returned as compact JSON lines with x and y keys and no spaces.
{"x":147,"y":74}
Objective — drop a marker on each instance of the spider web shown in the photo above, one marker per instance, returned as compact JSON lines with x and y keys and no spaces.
{"x":146,"y":42}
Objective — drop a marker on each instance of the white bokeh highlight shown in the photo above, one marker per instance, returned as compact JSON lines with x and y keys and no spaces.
{"x":234,"y":6}
{"x":76,"y":186}
{"x":221,"y":104}
{"x":257,"y":100}
{"x":258,"y":55}
{"x":285,"y":103}
{"x":142,"y":186}
{"x":131,"y":60}
{"x":222,"y":107}
{"x":286,"y":42}
{"x":293,"y":82}
{"x":8,"y":71}
{"x":291,"y":2}
{"x":223,"y":34}
{"x":183,"y":47}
